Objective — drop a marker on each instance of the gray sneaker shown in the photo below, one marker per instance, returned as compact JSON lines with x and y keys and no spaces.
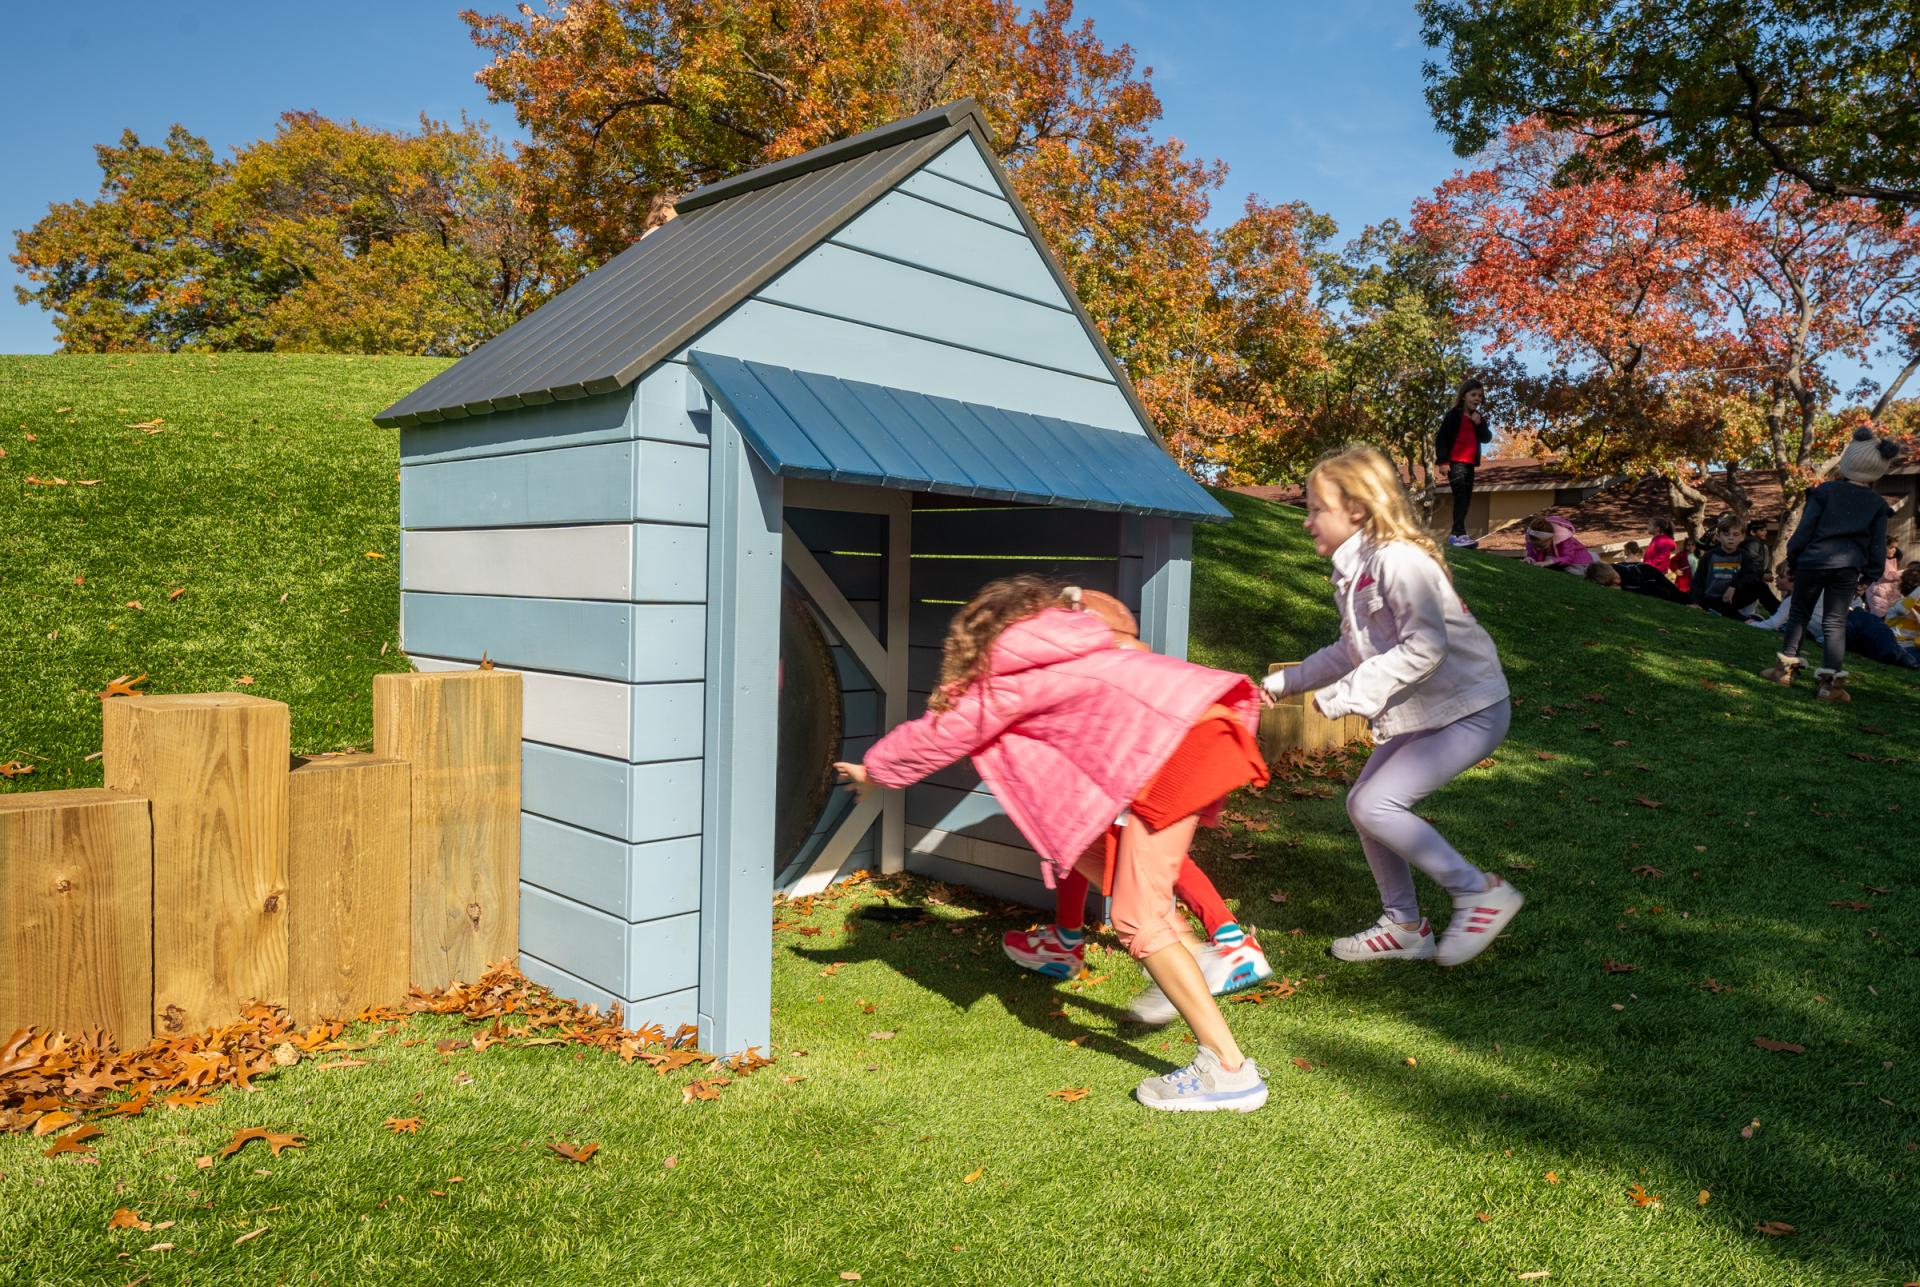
{"x":1203,"y":1086}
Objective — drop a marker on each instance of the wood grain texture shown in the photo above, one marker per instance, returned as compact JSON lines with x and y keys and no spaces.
{"x":214,"y":766}
{"x":76,"y":908}
{"x":1294,"y":723}
{"x":348,"y":886}
{"x":459,"y":731}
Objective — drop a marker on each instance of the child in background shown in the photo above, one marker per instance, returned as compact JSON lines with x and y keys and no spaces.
{"x":1230,"y":960}
{"x":1070,"y":732}
{"x":1680,"y":564}
{"x":1412,"y":659}
{"x":1660,"y":544}
{"x":1732,"y":574}
{"x":1903,"y":618}
{"x":1884,"y":590}
{"x":1552,"y":544}
{"x":1842,"y":532}
{"x":1604,"y":575}
{"x":1632,"y":553}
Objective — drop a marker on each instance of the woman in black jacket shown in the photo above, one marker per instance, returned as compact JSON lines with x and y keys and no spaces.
{"x":1457,"y":446}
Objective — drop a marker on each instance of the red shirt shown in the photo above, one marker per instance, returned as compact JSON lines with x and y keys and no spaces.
{"x":1466,"y":444}
{"x":1660,"y":552}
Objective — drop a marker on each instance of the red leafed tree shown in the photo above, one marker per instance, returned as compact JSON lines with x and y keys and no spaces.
{"x":1676,"y":333}
{"x":629,"y":104}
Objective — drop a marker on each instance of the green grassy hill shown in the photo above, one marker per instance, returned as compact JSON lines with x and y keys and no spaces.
{"x":1709,"y":861}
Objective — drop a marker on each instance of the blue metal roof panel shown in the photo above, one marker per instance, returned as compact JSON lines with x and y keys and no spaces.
{"x":808,"y":425}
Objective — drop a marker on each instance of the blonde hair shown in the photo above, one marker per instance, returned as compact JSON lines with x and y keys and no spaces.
{"x":1368,"y":481}
{"x":994,"y":607}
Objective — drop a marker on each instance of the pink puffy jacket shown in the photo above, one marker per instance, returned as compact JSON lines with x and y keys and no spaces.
{"x":1065,"y":729}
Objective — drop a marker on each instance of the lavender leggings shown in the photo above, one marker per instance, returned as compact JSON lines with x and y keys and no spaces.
{"x":1402,"y":772}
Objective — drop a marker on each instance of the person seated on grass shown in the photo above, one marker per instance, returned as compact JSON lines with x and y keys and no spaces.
{"x":1660,"y":544}
{"x":1603,"y":575}
{"x":1903,"y":618}
{"x":1783,"y":591}
{"x":1727,"y":579}
{"x":1680,"y":566}
{"x":1644,"y":578}
{"x":1070,"y":733}
{"x":1230,"y":960}
{"x":1884,"y":591}
{"x":1552,"y":544}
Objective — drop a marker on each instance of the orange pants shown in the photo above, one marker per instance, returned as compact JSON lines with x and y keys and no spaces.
{"x":1136,"y":865}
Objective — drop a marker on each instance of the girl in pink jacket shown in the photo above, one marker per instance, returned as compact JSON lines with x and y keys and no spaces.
{"x":1552,"y":544}
{"x":1074,"y":735}
{"x":1412,"y":659}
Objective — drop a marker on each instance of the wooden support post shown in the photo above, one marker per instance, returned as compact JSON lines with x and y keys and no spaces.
{"x":744,"y":540}
{"x":348,"y":886}
{"x":1294,"y":723}
{"x":214,"y":766}
{"x":459,"y":731}
{"x":1166,"y":585}
{"x":76,"y":913}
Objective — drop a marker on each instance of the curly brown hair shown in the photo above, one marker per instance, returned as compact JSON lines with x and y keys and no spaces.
{"x":994,"y":607}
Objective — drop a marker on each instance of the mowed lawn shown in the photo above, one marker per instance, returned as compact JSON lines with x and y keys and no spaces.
{"x":1744,"y":858}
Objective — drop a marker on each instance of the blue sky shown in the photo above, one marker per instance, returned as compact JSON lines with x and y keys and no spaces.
{"x":1304,"y":101}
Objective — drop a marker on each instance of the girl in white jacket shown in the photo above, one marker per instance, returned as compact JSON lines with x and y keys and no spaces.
{"x":1412,"y":659}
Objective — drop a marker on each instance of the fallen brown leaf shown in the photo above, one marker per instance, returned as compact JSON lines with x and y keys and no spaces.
{"x":248,"y":1237}
{"x":1302,"y":1064}
{"x":968,"y":1178}
{"x":570,"y":1153}
{"x":75,"y":1141}
{"x":272,"y":1139}
{"x":127,"y":1218}
{"x":1618,"y":967}
{"x":1641,"y":1198}
{"x":1774,"y":1228}
{"x":1784,"y":1047}
{"x":1070,"y":1093}
{"x":403,"y":1125}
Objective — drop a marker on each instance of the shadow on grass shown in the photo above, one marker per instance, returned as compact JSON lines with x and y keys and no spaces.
{"x":1035,"y":1001}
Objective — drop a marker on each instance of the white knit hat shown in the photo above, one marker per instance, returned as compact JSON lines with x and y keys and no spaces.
{"x":1867,"y":457}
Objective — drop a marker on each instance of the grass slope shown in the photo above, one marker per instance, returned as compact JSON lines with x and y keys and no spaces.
{"x":1434,"y":1099}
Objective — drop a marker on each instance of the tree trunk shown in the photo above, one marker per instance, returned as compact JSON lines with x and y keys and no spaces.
{"x":1689,"y":506}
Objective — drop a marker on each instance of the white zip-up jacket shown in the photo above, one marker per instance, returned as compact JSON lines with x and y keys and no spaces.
{"x":1410,"y":656}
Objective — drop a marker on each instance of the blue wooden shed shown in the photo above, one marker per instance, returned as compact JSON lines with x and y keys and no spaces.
{"x":855,"y":379}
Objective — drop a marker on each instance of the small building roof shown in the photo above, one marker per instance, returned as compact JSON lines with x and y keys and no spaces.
{"x":807,"y":425}
{"x":728,"y":240}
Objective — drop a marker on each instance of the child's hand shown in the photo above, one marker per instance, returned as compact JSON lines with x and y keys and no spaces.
{"x":1272,"y":687}
{"x":855,"y":776}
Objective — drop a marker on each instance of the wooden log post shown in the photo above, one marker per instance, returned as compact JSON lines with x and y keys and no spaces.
{"x":459,"y":731}
{"x":348,"y":886}
{"x":214,"y":766}
{"x":1294,"y":723}
{"x":76,"y":913}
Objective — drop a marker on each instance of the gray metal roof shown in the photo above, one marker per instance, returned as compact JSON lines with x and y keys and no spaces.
{"x":729,"y":239}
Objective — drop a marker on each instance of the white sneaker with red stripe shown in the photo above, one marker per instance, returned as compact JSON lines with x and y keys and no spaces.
{"x":1385,"y":940}
{"x":1477,"y":921}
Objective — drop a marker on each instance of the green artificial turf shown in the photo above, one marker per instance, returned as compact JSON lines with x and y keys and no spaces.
{"x":1416,"y":1148}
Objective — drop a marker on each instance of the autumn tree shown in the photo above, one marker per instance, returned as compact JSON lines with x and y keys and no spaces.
{"x":1681,"y":333}
{"x":1727,"y":97}
{"x":1609,"y":281}
{"x":144,"y":266}
{"x":328,"y":236}
{"x":629,"y":104}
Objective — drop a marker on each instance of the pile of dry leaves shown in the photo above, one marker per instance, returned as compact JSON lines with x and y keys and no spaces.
{"x":56,"y":1084}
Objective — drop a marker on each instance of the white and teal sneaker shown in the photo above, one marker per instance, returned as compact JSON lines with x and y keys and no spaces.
{"x":1203,"y":1086}
{"x":1041,"y":951}
{"x":1227,"y":969}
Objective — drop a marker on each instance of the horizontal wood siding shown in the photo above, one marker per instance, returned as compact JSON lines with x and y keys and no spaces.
{"x":669,"y":1011}
{"x":902,"y":297}
{"x":616,"y":482}
{"x":911,"y":230}
{"x":627,"y":959}
{"x":762,"y":331}
{"x":621,"y":562}
{"x":568,"y":542}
